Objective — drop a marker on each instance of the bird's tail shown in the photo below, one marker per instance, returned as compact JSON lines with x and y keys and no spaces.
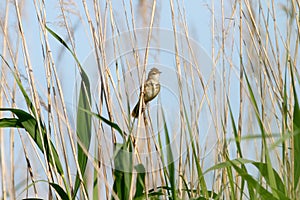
{"x":135,"y":111}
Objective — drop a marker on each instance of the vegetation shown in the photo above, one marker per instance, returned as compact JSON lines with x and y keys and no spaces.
{"x":228,"y":128}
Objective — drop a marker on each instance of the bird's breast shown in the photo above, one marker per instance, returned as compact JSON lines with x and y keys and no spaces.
{"x":151,"y":91}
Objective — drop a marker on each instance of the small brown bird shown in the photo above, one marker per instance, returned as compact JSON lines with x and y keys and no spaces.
{"x":151,"y":90}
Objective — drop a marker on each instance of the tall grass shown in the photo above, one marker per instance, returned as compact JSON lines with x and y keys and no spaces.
{"x":224,"y":129}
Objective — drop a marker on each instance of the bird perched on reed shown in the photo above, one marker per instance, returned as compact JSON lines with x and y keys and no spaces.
{"x":151,"y":90}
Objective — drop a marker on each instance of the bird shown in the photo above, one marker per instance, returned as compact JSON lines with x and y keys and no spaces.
{"x":151,"y":90}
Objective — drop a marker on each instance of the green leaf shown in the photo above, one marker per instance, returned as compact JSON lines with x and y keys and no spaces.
{"x":10,"y":122}
{"x":252,"y":183}
{"x":263,"y":169}
{"x":263,"y":193}
{"x":26,"y":97}
{"x":296,"y":129}
{"x":106,"y":121}
{"x":238,"y":145}
{"x":151,"y":195}
{"x":60,"y":191}
{"x":235,"y":132}
{"x":197,"y":161}
{"x":140,"y":180}
{"x":83,"y":125}
{"x":170,"y":160}
{"x":83,"y":130}
{"x":29,"y":123}
{"x":228,"y":163}
{"x":186,"y":186}
{"x":271,"y":175}
{"x":123,"y":170}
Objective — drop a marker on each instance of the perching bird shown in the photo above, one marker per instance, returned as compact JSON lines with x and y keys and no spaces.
{"x":151,"y":90}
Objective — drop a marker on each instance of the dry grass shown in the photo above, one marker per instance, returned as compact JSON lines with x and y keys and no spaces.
{"x":228,"y":128}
